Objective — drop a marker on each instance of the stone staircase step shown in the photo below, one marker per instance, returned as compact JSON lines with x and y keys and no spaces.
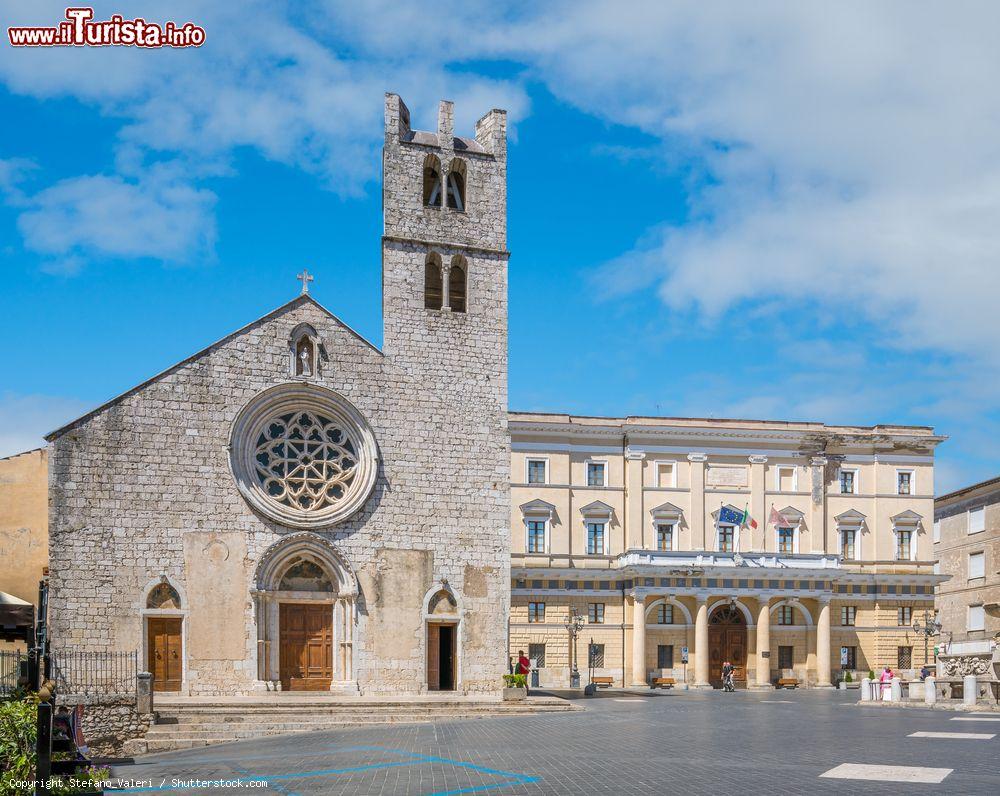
{"x":224,"y":716}
{"x":185,"y":723}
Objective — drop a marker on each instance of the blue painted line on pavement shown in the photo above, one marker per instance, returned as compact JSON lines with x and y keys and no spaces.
{"x":412,"y":759}
{"x":460,"y":763}
{"x":474,"y":788}
{"x":281,"y":789}
{"x":271,"y":777}
{"x":285,"y":756}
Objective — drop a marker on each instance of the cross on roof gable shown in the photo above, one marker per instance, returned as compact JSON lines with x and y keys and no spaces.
{"x":286,"y":307}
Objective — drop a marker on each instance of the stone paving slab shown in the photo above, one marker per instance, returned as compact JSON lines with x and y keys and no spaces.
{"x":706,"y":743}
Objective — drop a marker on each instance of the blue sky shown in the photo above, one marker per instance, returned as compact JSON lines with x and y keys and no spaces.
{"x":712,"y":212}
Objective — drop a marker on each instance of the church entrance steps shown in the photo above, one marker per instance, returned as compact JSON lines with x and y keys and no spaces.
{"x":188,"y":722}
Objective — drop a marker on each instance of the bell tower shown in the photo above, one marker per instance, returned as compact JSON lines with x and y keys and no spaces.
{"x":444,"y":244}
{"x":444,"y":287}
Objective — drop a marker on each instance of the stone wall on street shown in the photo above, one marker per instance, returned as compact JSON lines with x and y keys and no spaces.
{"x":109,"y":722}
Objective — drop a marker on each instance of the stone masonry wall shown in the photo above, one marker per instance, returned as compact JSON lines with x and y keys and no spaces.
{"x":109,"y":723}
{"x":142,"y":488}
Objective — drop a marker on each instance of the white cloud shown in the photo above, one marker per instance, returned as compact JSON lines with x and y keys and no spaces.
{"x":159,"y":215}
{"x":851,"y":152}
{"x":266,"y":79}
{"x":26,"y":419}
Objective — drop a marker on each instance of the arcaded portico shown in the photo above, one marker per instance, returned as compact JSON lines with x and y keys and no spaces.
{"x":738,"y":624}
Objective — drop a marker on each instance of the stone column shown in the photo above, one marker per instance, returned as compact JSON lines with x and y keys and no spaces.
{"x":823,"y":645}
{"x":763,"y":642}
{"x":639,"y":640}
{"x":697,"y":518}
{"x":446,"y":267}
{"x":144,"y":693}
{"x":701,"y":644}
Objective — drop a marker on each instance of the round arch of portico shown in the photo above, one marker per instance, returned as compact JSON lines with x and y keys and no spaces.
{"x":747,"y":614}
{"x":689,"y":622}
{"x":797,"y":606}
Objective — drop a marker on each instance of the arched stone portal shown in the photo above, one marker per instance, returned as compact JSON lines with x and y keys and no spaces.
{"x":443,"y":623}
{"x":305,"y":602}
{"x":727,"y":641}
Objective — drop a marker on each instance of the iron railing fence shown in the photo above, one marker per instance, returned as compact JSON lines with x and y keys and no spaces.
{"x":11,"y":662}
{"x":94,"y":673}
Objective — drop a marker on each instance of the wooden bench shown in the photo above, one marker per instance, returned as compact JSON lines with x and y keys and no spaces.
{"x":603,"y":682}
{"x":663,"y":682}
{"x":788,"y":682}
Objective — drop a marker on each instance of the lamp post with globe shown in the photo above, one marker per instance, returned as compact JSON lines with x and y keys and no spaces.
{"x":929,"y":627}
{"x":573,"y":624}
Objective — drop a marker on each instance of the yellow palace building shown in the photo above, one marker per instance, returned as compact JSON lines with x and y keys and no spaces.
{"x":793,"y":550}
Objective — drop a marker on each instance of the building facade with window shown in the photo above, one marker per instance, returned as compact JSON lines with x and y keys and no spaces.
{"x":789,"y":549}
{"x":967,"y":545}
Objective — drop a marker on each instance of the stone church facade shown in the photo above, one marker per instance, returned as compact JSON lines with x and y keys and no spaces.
{"x":292,"y":508}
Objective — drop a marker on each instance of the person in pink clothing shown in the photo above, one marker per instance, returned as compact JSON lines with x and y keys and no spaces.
{"x":885,"y":679}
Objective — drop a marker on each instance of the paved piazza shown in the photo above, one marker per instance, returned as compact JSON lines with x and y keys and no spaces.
{"x":623,"y":743}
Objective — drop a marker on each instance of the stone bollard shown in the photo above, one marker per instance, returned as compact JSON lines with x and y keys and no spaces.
{"x":144,"y":693}
{"x":896,"y":688}
{"x":930,"y":691}
{"x":866,"y":690}
{"x":969,"y":689}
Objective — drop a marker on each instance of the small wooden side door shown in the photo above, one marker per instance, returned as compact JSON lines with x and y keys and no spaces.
{"x":433,"y":657}
{"x":166,"y":662}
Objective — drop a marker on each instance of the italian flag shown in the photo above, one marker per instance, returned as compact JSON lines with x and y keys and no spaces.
{"x":747,"y":519}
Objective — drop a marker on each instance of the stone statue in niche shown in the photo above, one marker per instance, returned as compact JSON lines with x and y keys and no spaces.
{"x":304,"y":357}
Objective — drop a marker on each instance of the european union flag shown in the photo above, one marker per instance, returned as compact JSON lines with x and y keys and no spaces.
{"x":730,"y":516}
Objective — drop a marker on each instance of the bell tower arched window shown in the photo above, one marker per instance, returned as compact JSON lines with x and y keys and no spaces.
{"x":433,"y":283}
{"x":432,"y":181}
{"x":456,"y":185}
{"x":457,"y":283}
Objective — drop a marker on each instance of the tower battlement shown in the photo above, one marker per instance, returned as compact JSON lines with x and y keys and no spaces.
{"x":490,"y":134}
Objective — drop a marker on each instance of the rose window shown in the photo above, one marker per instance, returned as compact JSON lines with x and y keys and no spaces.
{"x":303,"y":456}
{"x":305,"y":460}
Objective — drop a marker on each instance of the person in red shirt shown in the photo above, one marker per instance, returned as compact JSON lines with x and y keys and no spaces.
{"x":523,"y":666}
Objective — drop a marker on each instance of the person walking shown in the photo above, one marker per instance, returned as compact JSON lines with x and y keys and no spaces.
{"x":727,"y":676}
{"x":523,"y":667}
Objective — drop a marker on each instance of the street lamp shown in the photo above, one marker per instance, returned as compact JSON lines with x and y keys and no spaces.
{"x":574,"y":623}
{"x":930,"y":627}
